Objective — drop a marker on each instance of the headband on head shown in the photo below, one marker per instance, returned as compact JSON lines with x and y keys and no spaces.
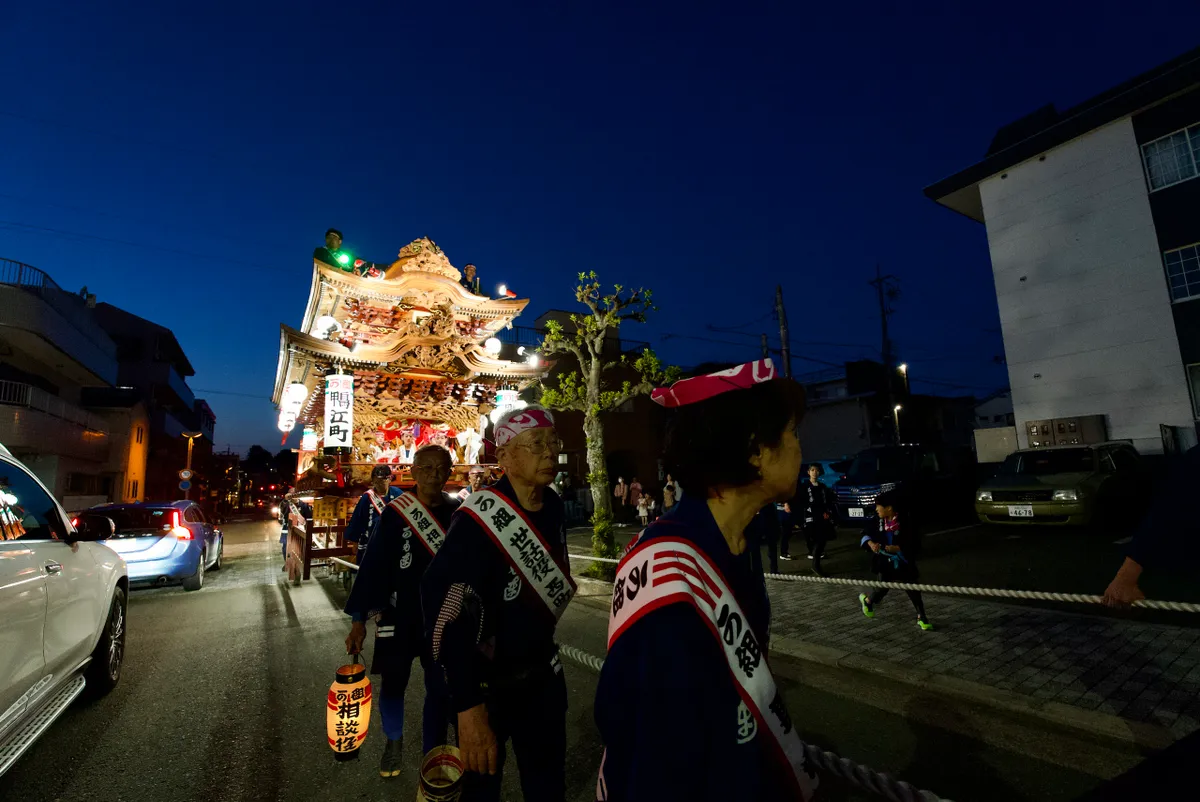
{"x":519,"y":420}
{"x":702,"y":388}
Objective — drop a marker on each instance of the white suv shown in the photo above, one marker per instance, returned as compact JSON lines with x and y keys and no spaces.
{"x":62,"y":609}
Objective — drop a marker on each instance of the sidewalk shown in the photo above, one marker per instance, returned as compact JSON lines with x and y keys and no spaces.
{"x":1115,"y":677}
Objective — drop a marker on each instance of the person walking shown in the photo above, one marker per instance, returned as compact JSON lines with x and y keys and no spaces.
{"x":411,"y":530}
{"x":668,"y":495}
{"x":689,"y":620}
{"x":621,"y":494}
{"x":492,"y":599}
{"x":643,"y":510}
{"x":369,"y":507}
{"x":818,"y":516}
{"x":895,"y":551}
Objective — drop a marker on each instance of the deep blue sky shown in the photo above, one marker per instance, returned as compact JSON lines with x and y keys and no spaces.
{"x":708,"y":154}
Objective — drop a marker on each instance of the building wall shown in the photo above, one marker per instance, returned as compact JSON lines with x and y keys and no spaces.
{"x":986,"y":412}
{"x":834,"y":430}
{"x":1084,"y":308}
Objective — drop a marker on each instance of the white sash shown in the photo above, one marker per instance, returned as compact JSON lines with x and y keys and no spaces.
{"x":668,"y":570}
{"x":523,"y":546}
{"x":420,"y":520}
{"x":376,"y":501}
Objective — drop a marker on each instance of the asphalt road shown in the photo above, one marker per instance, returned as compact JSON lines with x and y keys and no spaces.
{"x":223,"y":699}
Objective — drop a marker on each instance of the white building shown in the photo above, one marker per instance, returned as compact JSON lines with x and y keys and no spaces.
{"x":1092,"y":224}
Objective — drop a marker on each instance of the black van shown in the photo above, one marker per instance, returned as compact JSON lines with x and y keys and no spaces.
{"x":937,"y":483}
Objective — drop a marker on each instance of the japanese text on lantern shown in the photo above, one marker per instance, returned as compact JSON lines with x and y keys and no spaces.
{"x":339,"y":410}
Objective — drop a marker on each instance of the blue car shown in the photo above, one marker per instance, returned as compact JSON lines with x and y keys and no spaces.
{"x":164,"y":541}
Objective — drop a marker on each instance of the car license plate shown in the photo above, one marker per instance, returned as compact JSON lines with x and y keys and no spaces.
{"x":1020,"y":511}
{"x":856,"y":512}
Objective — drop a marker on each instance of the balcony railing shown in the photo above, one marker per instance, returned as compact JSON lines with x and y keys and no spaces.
{"x":25,"y":395}
{"x":34,"y":422}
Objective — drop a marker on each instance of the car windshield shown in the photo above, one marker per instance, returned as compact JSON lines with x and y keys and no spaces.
{"x":1043,"y":463}
{"x":880,"y":464}
{"x":139,"y":519}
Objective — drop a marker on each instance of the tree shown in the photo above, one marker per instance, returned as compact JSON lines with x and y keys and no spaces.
{"x":589,"y":390}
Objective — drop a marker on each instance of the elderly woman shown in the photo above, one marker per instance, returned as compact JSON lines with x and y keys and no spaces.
{"x":687,"y":636}
{"x":492,"y":598}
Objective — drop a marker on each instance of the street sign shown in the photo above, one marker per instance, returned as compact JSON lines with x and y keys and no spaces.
{"x":185,"y":474}
{"x":185,"y":485}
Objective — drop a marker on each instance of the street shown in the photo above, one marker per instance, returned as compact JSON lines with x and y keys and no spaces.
{"x":222,"y":698}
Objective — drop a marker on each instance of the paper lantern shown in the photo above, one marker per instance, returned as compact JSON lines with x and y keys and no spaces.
{"x":295,"y":393}
{"x":348,"y":710}
{"x":492,"y":346}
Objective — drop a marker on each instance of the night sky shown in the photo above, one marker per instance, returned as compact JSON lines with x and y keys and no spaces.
{"x":184,"y":165}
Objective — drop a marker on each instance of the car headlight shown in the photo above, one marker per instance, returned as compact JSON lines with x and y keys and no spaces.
{"x":983,"y":495}
{"x":1066,"y":495}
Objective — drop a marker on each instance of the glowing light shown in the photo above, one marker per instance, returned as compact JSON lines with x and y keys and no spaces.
{"x":491,"y":345}
{"x":903,"y":368}
{"x":533,"y":360}
{"x":502,"y":289}
{"x":343,"y":259}
{"x":521,"y":351}
{"x":324,"y":325}
{"x":348,"y":710}
{"x":898,"y":408}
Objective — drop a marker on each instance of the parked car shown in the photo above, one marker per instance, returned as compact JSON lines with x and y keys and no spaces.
{"x":936,"y":482}
{"x":1065,"y":485}
{"x":63,"y":595}
{"x":163,"y":541}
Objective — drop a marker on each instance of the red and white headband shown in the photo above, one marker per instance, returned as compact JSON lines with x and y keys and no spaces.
{"x":513,"y":423}
{"x":702,"y":388}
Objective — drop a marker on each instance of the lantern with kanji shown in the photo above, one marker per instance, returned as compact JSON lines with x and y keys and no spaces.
{"x":348,"y":710}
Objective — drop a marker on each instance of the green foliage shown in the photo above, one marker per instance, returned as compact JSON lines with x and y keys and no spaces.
{"x":604,"y":544}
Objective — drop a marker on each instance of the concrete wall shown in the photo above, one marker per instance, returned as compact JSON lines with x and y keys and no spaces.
{"x":1083,"y":299}
{"x":834,"y":430}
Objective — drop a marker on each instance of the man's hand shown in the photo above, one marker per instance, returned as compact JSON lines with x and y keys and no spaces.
{"x":354,"y":641}
{"x":476,"y":741}
{"x":1123,"y":590}
{"x":826,"y":516}
{"x":874,"y":546}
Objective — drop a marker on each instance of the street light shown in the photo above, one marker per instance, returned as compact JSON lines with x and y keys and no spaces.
{"x":904,"y":372}
{"x":191,"y":436}
{"x":896,"y":419}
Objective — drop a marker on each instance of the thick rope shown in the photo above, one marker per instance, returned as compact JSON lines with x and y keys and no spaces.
{"x":1000,"y":593}
{"x":854,"y":773}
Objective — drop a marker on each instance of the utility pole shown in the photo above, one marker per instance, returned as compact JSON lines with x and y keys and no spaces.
{"x":887,"y":288}
{"x":786,"y":348}
{"x":766,"y":351}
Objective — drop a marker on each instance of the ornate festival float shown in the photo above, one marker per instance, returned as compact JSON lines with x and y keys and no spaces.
{"x":387,"y":359}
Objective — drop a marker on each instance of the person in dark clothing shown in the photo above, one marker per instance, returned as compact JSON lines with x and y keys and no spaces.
{"x":469,"y":280}
{"x":1167,"y":531}
{"x":492,"y":598}
{"x":686,"y":705}
{"x":817,"y":516}
{"x":895,"y":552}
{"x":411,"y":531}
{"x":765,"y":528}
{"x":369,"y":507}
{"x":332,"y":254}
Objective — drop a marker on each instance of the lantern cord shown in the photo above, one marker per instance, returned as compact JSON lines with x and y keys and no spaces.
{"x":1001,"y":593}
{"x":854,"y":773}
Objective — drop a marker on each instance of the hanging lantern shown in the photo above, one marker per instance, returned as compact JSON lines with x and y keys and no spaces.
{"x":348,"y":710}
{"x":287,"y":422}
{"x":339,"y":414}
{"x":492,"y":346}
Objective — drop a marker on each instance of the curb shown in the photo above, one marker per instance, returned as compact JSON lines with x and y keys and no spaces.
{"x":1097,"y":725}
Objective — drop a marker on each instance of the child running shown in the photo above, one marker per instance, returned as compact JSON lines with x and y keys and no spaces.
{"x":894,"y":556}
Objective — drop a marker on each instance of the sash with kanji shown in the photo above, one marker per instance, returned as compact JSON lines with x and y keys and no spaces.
{"x":668,"y":570}
{"x":376,"y":501}
{"x":523,"y":547}
{"x":420,"y":520}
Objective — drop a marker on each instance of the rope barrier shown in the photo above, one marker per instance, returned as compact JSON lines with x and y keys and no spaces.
{"x":957,"y":590}
{"x":854,"y":773}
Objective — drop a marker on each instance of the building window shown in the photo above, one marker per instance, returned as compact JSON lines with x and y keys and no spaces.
{"x":1183,"y":272}
{"x":1194,"y":384}
{"x":1172,"y":158}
